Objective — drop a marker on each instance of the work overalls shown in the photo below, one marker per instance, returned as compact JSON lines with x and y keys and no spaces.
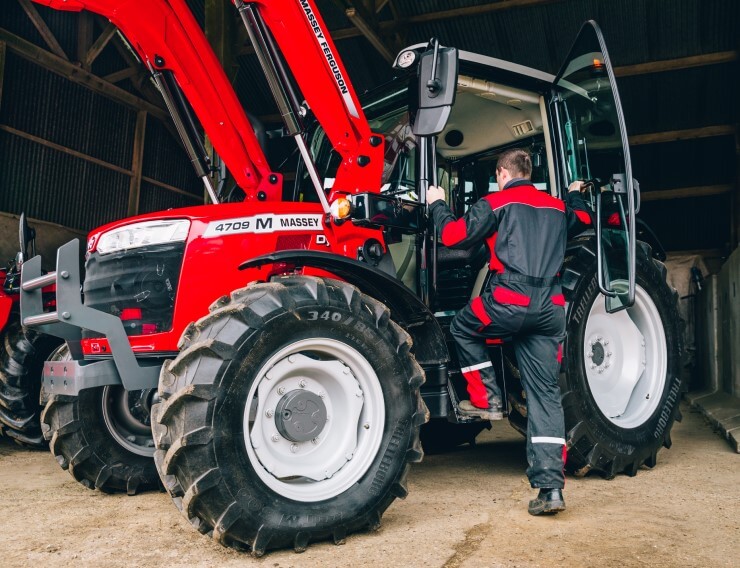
{"x":526,"y":231}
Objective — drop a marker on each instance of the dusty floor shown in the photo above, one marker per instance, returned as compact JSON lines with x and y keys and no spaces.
{"x":466,"y":509}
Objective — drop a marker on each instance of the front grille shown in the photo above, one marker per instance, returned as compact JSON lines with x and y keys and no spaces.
{"x":138,"y":285}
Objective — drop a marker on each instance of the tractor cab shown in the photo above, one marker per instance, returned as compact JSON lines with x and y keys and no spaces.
{"x":572,"y":125}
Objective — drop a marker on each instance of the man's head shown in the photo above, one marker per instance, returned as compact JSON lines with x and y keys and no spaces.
{"x":513,"y":163}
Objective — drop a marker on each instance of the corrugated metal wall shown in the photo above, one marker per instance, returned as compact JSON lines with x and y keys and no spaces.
{"x":50,"y":127}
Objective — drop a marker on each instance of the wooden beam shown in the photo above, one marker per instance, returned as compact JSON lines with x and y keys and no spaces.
{"x":99,"y":45}
{"x":171,"y":188}
{"x":43,"y":29}
{"x":134,"y":188}
{"x":117,"y":76}
{"x":369,"y":30}
{"x":391,"y":26}
{"x":380,"y":4}
{"x":92,"y":160}
{"x":676,"y":64}
{"x":686,"y":192}
{"x":220,"y":31}
{"x":57,"y":65}
{"x":706,"y":253}
{"x":387,"y":27}
{"x":84,"y":36}
{"x":3,"y":51}
{"x":64,"y":150}
{"x":687,"y":134}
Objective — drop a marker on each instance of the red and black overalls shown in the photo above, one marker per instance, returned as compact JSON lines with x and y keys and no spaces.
{"x":526,"y":231}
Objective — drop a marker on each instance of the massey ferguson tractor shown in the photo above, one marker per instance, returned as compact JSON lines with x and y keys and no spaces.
{"x":22,"y":355}
{"x":273,"y":356}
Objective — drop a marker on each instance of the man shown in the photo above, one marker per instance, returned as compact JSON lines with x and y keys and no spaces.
{"x":526,"y":231}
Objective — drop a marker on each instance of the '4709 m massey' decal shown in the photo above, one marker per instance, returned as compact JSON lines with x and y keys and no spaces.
{"x":265,"y":223}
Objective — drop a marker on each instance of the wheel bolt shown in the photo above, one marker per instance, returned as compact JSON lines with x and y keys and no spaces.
{"x":601,"y":371}
{"x":358,"y":393}
{"x":606,"y":366}
{"x":281,"y":390}
{"x":315,"y":440}
{"x":302,"y":384}
{"x":291,"y":359}
{"x":322,"y":394}
{"x":606,"y":342}
{"x":593,"y":366}
{"x":275,"y":438}
{"x":131,"y":439}
{"x":346,"y":371}
{"x":366,"y":426}
{"x":294,"y":448}
{"x":269,"y":413}
{"x":609,"y":354}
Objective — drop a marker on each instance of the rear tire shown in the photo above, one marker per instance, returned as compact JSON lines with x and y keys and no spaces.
{"x":102,"y":437}
{"x":241,"y":473}
{"x":614,"y":424}
{"x":22,"y":356}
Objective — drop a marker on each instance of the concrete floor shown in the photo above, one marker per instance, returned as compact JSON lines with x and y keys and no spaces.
{"x":466,"y":509}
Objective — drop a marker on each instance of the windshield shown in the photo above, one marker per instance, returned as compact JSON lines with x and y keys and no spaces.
{"x":387,"y":114}
{"x":589,"y":120}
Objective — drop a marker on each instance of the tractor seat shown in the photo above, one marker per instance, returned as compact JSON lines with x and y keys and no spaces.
{"x":448,"y":258}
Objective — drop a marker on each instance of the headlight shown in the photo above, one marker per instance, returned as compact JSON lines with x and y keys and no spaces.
{"x":143,"y":234}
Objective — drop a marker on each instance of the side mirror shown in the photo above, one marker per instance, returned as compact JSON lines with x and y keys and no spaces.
{"x":26,"y":236}
{"x":437,"y":87}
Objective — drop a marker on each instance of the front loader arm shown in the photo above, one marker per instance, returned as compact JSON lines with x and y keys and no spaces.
{"x":313,"y":60}
{"x":165,"y":35}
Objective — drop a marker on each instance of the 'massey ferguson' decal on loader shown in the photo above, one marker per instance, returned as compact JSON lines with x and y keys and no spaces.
{"x":330,"y":59}
{"x":266,"y":223}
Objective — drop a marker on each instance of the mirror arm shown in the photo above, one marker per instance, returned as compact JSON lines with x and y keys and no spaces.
{"x":600,"y":251}
{"x":433,"y":85}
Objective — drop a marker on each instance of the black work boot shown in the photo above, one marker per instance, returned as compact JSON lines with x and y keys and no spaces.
{"x":548,"y":502}
{"x":493,"y":412}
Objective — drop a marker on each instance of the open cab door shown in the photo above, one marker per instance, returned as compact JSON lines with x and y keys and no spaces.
{"x":593,"y":139}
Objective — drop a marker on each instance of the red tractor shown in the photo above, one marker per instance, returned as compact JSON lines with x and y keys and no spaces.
{"x":22,"y":355}
{"x":287,"y":346}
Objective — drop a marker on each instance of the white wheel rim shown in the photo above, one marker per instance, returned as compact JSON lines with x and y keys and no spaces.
{"x":625,"y":358}
{"x":325,"y":466}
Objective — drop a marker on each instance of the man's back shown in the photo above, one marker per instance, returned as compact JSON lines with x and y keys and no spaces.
{"x":530,"y":231}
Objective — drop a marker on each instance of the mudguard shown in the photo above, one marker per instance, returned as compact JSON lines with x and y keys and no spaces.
{"x":6,"y":303}
{"x":406,"y":308}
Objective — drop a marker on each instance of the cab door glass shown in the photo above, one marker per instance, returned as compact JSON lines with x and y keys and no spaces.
{"x":595,"y":148}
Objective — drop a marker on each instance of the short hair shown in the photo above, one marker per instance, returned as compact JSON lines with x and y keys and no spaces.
{"x":517,"y":161}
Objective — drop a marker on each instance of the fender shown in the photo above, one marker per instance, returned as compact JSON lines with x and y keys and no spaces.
{"x":646,"y":234}
{"x":6,"y":304}
{"x":407,"y":310}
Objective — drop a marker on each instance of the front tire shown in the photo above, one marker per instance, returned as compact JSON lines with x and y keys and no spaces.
{"x":622,"y":385}
{"x":291,"y":415}
{"x":102,"y":436}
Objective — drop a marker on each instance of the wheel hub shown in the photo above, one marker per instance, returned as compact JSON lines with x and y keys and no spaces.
{"x":300,"y":416}
{"x":601,"y":355}
{"x":126,"y":416}
{"x":305,"y":423}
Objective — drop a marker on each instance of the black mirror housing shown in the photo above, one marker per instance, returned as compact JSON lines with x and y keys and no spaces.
{"x":437,"y":70}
